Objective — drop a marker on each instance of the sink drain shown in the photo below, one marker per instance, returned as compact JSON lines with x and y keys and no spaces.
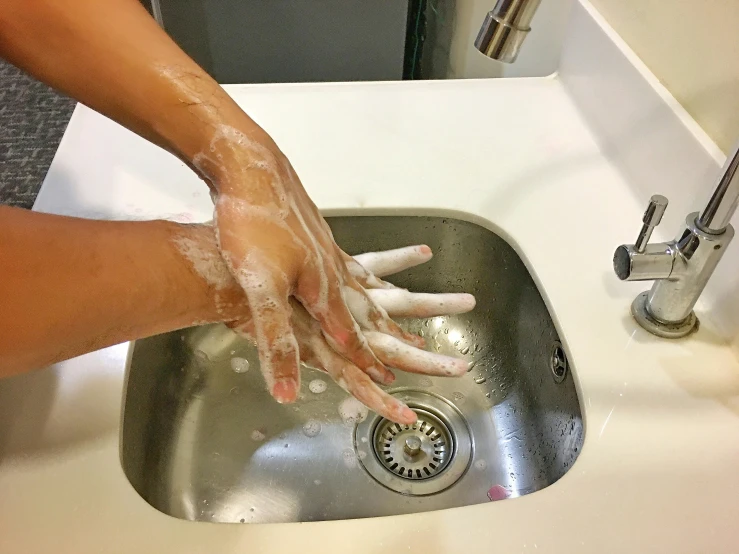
{"x":426,"y":457}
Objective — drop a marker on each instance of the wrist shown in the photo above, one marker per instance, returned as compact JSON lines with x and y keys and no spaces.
{"x":239,"y":158}
{"x":210,"y":292}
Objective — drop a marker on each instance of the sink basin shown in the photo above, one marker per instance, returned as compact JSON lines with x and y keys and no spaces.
{"x":202,"y":439}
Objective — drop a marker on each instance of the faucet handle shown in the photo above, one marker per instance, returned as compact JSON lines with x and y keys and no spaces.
{"x":652,"y":217}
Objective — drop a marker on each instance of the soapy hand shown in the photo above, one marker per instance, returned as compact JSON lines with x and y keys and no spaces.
{"x":277,"y":246}
{"x":316,"y":352}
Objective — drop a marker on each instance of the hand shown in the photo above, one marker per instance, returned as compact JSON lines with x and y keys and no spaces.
{"x":316,"y":352}
{"x":278,"y":247}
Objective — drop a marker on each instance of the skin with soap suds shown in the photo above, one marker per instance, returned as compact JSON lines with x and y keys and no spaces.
{"x":112,"y":56}
{"x":116,"y":281}
{"x":304,"y":296}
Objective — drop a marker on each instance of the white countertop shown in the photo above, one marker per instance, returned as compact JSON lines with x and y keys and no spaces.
{"x":658,"y":469}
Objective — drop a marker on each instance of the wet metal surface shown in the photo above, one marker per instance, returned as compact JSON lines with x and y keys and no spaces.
{"x":203,"y":440}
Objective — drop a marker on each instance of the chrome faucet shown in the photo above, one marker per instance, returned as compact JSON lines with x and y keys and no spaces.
{"x":680,"y":268}
{"x":505,"y":28}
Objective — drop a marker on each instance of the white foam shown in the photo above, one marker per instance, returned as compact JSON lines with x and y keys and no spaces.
{"x":352,"y":411}
{"x":257,"y":435}
{"x":317,"y":386}
{"x":349,"y":457}
{"x":311,"y":428}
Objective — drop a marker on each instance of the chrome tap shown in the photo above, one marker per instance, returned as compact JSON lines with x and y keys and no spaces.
{"x":504,"y":29}
{"x":680,"y":268}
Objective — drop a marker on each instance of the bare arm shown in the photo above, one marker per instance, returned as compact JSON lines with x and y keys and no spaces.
{"x":111,"y":55}
{"x":70,"y":286}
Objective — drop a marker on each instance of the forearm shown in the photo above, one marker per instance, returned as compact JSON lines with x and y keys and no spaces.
{"x":70,"y":286}
{"x":112,"y":56}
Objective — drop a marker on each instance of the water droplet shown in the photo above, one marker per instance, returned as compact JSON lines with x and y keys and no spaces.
{"x":471,"y":366}
{"x":233,"y":352}
{"x":458,"y":396}
{"x":311,"y":428}
{"x":317,"y":386}
{"x":251,"y":509}
{"x":202,"y":356}
{"x":465,"y":351}
{"x":242,"y":520}
{"x":240,"y":365}
{"x":480,"y":380}
{"x":317,"y":482}
{"x":234,"y":390}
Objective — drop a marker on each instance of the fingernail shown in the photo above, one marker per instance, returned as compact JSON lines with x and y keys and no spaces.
{"x":389,"y":378}
{"x":408,"y":415}
{"x":285,"y":390}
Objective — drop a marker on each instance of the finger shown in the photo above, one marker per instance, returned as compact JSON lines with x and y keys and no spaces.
{"x":278,"y":349}
{"x":364,"y":277}
{"x":396,"y":353}
{"x":402,"y":303}
{"x":372,"y":317}
{"x":358,"y":384}
{"x":327,"y":305}
{"x":393,"y":261}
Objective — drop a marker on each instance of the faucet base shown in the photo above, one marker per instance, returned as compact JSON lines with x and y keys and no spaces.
{"x":665,"y":330}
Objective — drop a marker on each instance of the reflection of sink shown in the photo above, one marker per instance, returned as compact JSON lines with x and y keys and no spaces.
{"x":203,"y":442}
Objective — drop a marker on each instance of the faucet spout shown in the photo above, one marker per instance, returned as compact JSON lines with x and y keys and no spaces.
{"x":505,"y":28}
{"x":722,"y":205}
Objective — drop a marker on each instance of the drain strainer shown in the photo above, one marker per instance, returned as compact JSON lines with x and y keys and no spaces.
{"x":426,"y":457}
{"x":415,"y":451}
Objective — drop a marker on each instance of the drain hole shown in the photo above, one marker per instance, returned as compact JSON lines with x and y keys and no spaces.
{"x":558,"y":362}
{"x":431,"y":454}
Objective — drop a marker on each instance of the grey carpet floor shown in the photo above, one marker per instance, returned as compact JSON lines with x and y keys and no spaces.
{"x":32,"y":121}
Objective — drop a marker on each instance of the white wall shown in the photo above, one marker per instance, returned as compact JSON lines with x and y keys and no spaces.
{"x":539,"y":55}
{"x":692,"y":46}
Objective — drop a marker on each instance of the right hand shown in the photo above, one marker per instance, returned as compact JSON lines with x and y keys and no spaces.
{"x":277,"y":246}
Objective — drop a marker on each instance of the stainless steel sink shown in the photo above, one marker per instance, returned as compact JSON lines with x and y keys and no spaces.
{"x":202,"y":439}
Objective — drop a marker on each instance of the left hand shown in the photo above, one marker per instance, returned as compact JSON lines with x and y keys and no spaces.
{"x":394,"y":302}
